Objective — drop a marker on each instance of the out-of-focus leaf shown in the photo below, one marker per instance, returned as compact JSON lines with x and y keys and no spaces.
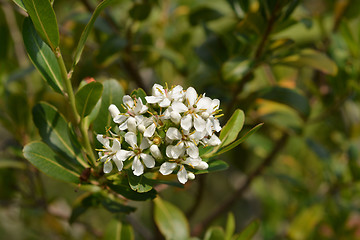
{"x":139,"y":93}
{"x":11,"y":163}
{"x":87,"y":97}
{"x":138,"y":183}
{"x":240,"y":140}
{"x":290,"y":8}
{"x":349,"y":38}
{"x":214,"y":233}
{"x":171,"y":222}
{"x":82,"y":204}
{"x":42,"y":56}
{"x":112,"y":94}
{"x":140,"y":11}
{"x":230,"y":227}
{"x":305,"y":222}
{"x":232,"y":128}
{"x":115,"y":206}
{"x":128,"y":193}
{"x":43,"y":16}
{"x":214,"y":166}
{"x":249,"y":231}
{"x":55,"y":132}
{"x":17,"y":107}
{"x":312,"y":59}
{"x":20,"y":4}
{"x":288,"y":97}
{"x":318,"y":149}
{"x":118,"y":230}
{"x":354,"y":165}
{"x":110,"y":50}
{"x":88,"y":29}
{"x":47,"y":161}
{"x":212,"y":52}
{"x":203,"y":14}
{"x":235,"y":69}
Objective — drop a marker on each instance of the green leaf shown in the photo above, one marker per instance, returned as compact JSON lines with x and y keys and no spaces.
{"x":47,"y":161}
{"x":140,"y":11}
{"x":311,"y":58}
{"x":138,"y":183}
{"x":117,"y":230}
{"x":82,"y":204}
{"x":124,"y":190}
{"x":115,"y":206}
{"x":214,"y":166}
{"x":112,"y":94}
{"x":43,"y":16}
{"x":288,"y":97}
{"x":203,"y":14}
{"x":249,"y":231}
{"x":55,"y":132}
{"x":235,"y":69}
{"x":139,"y":93}
{"x":240,"y":140}
{"x":11,"y":163}
{"x":87,"y":97}
{"x":232,"y":128}
{"x":87,"y":30}
{"x":171,"y":222}
{"x":230,"y":226}
{"x":42,"y":56}
{"x":20,"y":4}
{"x":213,"y":52}
{"x":214,"y":233}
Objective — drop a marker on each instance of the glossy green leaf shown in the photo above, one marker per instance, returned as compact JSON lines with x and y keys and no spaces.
{"x":42,"y":56}
{"x":87,"y":97}
{"x":235,"y":69}
{"x":139,"y":93}
{"x":230,"y":226}
{"x":214,"y":233}
{"x":170,"y":220}
{"x":124,"y":190}
{"x":55,"y":132}
{"x":249,"y":231}
{"x":118,"y":230}
{"x":20,"y":4}
{"x":312,"y":59}
{"x":240,"y":140}
{"x":88,"y":28}
{"x":232,"y":128}
{"x":112,"y":94}
{"x":47,"y":161}
{"x":139,"y":183}
{"x":203,"y":14}
{"x":43,"y":16}
{"x":214,"y":166}
{"x":288,"y":97}
{"x":140,"y":11}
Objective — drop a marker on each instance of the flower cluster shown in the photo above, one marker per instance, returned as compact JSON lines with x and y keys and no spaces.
{"x":166,"y":131}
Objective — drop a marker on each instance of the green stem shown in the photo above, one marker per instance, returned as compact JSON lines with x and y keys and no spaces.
{"x":85,"y":134}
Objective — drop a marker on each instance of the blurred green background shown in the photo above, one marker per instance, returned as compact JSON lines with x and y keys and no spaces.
{"x":292,"y":65}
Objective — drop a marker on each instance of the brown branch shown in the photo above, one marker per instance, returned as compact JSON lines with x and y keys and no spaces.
{"x":199,"y":197}
{"x":227,"y":205}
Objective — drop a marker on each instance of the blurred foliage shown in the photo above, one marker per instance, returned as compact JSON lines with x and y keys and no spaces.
{"x":292,"y":65}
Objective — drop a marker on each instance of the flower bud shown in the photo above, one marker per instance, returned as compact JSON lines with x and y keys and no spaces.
{"x":142,"y":128}
{"x":131,"y":124}
{"x":114,"y":111}
{"x":202,"y":166}
{"x":175,"y":117}
{"x":191,"y":176}
{"x":205,"y":115}
{"x":155,"y":152}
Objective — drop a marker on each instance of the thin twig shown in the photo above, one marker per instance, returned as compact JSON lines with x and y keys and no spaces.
{"x":226,"y":206}
{"x":199,"y":197}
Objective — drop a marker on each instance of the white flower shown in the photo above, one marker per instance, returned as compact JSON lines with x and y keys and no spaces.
{"x":110,"y":153}
{"x":186,"y":142}
{"x":137,"y":153}
{"x":134,"y":110}
{"x":164,"y":97}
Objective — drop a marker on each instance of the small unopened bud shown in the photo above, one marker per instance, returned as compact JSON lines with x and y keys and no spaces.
{"x":202,"y":166}
{"x":154,"y":149}
{"x":205,"y":115}
{"x":191,"y":176}
{"x":175,"y":117}
{"x":114,"y":111}
{"x":131,"y":124}
{"x":157,"y":140}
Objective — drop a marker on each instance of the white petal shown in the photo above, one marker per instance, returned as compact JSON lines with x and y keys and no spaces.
{"x":175,"y":117}
{"x":214,"y":141}
{"x":131,"y":124}
{"x":119,"y":119}
{"x":186,"y":122}
{"x":216,"y":124}
{"x":179,"y":107}
{"x":122,"y":155}
{"x":103,"y":140}
{"x":137,"y":166}
{"x":191,"y":96}
{"x":116,"y":146}
{"x":155,"y":151}
{"x":158,"y":90}
{"x":119,"y":164}
{"x":108,"y":167}
{"x":215,"y":104}
{"x":176,"y":93}
{"x":182,"y":175}
{"x":199,"y":123}
{"x":165,"y":103}
{"x":128,"y":101}
{"x":131,"y":139}
{"x":144,"y":144}
{"x":169,"y":151}
{"x":114,"y":111}
{"x":167,"y":168}
{"x":202,"y":166}
{"x":140,"y":107}
{"x":204,"y":103}
{"x":150,"y":130}
{"x":148,"y":160}
{"x":123,"y":126}
{"x":153,"y":99}
{"x":178,"y":150}
{"x":191,"y":176}
{"x":208,"y":127}
{"x":173,"y":133}
{"x":192,"y":150}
